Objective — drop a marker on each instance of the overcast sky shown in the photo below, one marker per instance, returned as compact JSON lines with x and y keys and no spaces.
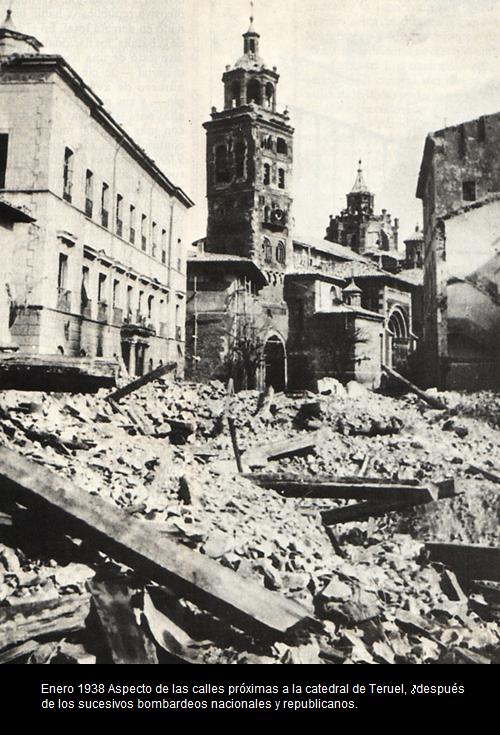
{"x":362,"y":79}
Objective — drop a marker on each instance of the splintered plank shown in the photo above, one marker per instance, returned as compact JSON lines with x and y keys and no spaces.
{"x":132,"y":542}
{"x":35,"y":619}
{"x":430,"y":400}
{"x":468,"y":562}
{"x":127,"y":643}
{"x":354,"y":488}
{"x":140,"y":382}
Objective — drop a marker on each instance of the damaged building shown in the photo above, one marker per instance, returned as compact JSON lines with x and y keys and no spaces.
{"x":459,"y":185}
{"x":268,"y":306}
{"x":102,"y":272}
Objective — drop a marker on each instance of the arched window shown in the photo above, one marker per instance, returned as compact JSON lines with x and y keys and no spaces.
{"x":398,"y":325}
{"x":267,"y":142}
{"x":267,"y":174}
{"x":268,"y":251}
{"x":282,"y":146}
{"x":221,"y":164}
{"x":239,"y":153}
{"x":236,"y":94}
{"x":253,"y":91}
{"x":281,"y":252}
{"x":335,"y":297}
{"x":269,"y":95}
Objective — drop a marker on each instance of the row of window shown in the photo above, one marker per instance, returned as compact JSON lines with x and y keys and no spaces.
{"x":159,"y":244}
{"x":269,"y":144}
{"x":223,"y":167}
{"x":268,"y":251}
{"x":261,"y":94}
{"x":129,"y":307}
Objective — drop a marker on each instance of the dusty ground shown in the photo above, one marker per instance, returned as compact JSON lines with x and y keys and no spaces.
{"x":383,"y":602}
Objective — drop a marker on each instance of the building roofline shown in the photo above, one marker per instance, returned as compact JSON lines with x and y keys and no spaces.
{"x":99,"y":112}
{"x":488,"y":199}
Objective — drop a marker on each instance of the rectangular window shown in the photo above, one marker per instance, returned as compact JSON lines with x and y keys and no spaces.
{"x":119,"y":215}
{"x":105,"y":205}
{"x":267,"y":174}
{"x":469,"y":191}
{"x":281,"y":178}
{"x":63,"y":295}
{"x":4,"y":146}
{"x":144,"y":242}
{"x":154,"y":244}
{"x":101,"y":288}
{"x":68,"y":174}
{"x":62,"y":273}
{"x":89,"y":193}
{"x":130,"y":296}
{"x":131,"y":236}
{"x":116,"y":292}
{"x":84,"y":295}
{"x":164,"y":246}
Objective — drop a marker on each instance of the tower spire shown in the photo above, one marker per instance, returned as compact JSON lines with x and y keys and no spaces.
{"x":359,"y":184}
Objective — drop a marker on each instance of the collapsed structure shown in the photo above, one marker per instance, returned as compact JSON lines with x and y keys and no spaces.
{"x":101,"y":272}
{"x":459,"y":185}
{"x":265,"y":305}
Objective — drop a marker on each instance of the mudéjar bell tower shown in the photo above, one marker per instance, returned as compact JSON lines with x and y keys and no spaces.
{"x":249,"y":167}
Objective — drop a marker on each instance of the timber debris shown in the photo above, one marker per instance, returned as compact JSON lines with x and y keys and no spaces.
{"x":358,"y":528}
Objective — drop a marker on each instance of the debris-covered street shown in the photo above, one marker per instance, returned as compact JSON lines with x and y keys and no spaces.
{"x":360,"y":591}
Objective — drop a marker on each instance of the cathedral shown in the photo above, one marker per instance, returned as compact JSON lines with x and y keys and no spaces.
{"x":265,"y":305}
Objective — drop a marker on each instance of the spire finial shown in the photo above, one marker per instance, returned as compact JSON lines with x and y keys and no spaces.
{"x":8,"y":22}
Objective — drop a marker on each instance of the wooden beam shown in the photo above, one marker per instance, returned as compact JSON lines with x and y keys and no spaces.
{"x":35,"y":619}
{"x":369,"y":509}
{"x":487,"y":473}
{"x":234,"y":442}
{"x":467,"y":561}
{"x":126,"y":641}
{"x":354,"y":488}
{"x":63,"y":504}
{"x":258,"y":456}
{"x":430,"y":400}
{"x":140,"y":382}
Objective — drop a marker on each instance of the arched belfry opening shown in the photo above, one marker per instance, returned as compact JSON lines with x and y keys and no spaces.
{"x":274,"y":363}
{"x":254,"y":92}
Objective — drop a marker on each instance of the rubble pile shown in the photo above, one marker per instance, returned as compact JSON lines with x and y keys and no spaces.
{"x":164,"y":455}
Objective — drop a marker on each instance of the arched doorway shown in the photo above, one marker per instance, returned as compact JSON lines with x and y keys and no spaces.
{"x":274,"y":358}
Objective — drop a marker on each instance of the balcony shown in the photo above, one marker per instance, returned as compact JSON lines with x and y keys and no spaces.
{"x":117,"y":316}
{"x":63,"y":299}
{"x":86,"y":309}
{"x":135,"y":324}
{"x":104,"y":218}
{"x":102,"y":311}
{"x":89,"y":207}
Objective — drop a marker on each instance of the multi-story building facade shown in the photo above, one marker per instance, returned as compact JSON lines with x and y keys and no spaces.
{"x":459,"y":185}
{"x":103,"y":272}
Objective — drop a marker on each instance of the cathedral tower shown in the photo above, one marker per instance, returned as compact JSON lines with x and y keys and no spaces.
{"x":249,"y":167}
